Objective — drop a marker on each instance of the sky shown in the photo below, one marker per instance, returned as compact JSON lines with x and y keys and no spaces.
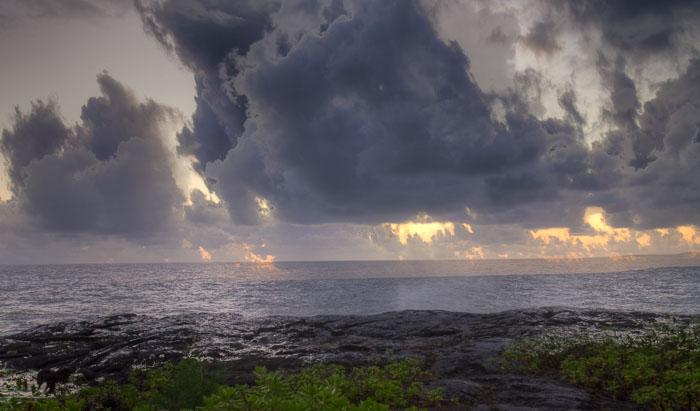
{"x":262,"y":131}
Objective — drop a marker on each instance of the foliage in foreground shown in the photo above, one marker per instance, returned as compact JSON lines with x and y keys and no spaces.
{"x":659,"y":369}
{"x":192,"y":385}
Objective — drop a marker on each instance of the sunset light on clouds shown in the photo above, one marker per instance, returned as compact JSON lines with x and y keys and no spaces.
{"x":599,"y":244}
{"x":348,"y":130}
{"x":425,"y":231}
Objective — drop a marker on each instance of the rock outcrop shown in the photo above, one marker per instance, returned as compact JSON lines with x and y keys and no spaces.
{"x":462,"y":350}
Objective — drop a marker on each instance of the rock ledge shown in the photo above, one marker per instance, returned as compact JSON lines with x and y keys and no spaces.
{"x":462,"y":350}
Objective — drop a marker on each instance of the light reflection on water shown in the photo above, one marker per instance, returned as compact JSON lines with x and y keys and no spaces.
{"x":32,"y":295}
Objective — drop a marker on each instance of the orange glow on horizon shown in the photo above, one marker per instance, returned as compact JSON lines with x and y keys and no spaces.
{"x":606,"y":235}
{"x":628,"y":258}
{"x":598,"y":239}
{"x":425,"y":231}
{"x":644,"y":240}
{"x":595,"y":217}
{"x":476,"y":253}
{"x":204,"y":254}
{"x":262,"y":262}
{"x":547,"y":234}
{"x":689,"y":234}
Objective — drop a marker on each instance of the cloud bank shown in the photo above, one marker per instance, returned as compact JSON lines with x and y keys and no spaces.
{"x":380,"y":118}
{"x":358,"y":112}
{"x":110,"y":174}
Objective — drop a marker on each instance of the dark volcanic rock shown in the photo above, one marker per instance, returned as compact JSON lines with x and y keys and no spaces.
{"x":462,"y":350}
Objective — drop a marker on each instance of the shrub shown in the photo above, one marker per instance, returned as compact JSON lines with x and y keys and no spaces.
{"x":658,"y":369}
{"x":193,"y":385}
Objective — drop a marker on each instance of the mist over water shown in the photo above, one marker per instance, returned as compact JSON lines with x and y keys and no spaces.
{"x":33,"y":295}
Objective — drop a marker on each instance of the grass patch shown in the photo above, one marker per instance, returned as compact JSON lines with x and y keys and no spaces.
{"x":192,"y":385}
{"x":658,"y":369}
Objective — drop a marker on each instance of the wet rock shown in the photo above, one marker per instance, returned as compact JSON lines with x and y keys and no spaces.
{"x":462,"y":350}
{"x":466,"y":391}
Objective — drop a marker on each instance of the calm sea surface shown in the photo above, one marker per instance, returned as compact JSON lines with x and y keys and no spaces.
{"x":32,"y":295}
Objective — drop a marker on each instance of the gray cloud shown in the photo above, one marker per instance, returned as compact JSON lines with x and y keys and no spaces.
{"x":207,"y":37}
{"x":665,"y":192}
{"x":567,"y":101}
{"x":489,"y":42}
{"x":116,"y":116}
{"x":34,"y":135}
{"x":638,"y":133}
{"x":498,"y":36}
{"x":639,"y":29}
{"x":542,"y":38}
{"x":368,"y":119}
{"x":16,"y":10}
{"x":132,"y":193}
{"x":110,"y":174}
{"x":364,"y":112}
{"x":353,"y":112}
{"x":205,"y":212}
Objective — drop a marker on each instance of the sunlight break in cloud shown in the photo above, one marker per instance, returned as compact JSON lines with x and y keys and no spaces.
{"x":689,"y":234}
{"x":426,"y":231}
{"x":644,"y":240}
{"x":594,"y":217}
{"x":547,"y":234}
{"x":264,"y":208}
{"x":204,"y":253}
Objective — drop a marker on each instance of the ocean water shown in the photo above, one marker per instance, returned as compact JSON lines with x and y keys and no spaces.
{"x":33,"y":295}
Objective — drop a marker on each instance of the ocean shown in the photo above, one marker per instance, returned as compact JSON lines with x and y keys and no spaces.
{"x":37,"y":294}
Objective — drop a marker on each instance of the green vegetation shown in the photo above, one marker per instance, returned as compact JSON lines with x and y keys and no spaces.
{"x":196,"y":385}
{"x":658,"y":369}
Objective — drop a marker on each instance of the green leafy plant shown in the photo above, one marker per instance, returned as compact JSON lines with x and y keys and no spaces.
{"x":658,"y":369}
{"x":190,"y":384}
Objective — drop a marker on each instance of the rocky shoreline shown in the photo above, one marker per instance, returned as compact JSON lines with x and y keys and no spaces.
{"x":462,"y":350}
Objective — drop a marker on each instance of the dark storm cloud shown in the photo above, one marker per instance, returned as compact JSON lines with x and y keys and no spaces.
{"x":206,"y":138}
{"x":110,"y":174}
{"x":365,"y":122}
{"x":367,"y":119}
{"x":357,"y":112}
{"x":638,"y":28}
{"x":645,"y":133}
{"x":207,"y":36}
{"x":623,"y":95}
{"x":666,"y":191}
{"x":204,"y":211}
